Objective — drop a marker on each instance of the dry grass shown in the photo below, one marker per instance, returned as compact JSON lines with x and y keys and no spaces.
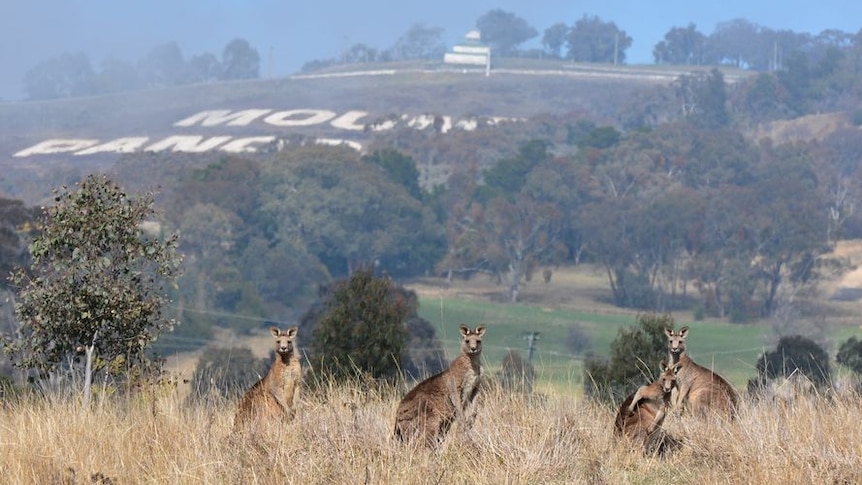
{"x":343,"y":435}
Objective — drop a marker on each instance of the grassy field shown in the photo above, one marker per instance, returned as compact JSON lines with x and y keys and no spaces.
{"x":343,"y":434}
{"x":574,"y":297}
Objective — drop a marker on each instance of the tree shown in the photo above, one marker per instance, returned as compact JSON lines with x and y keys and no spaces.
{"x":681,"y":46}
{"x":14,"y":215}
{"x":163,"y":66}
{"x":64,"y":76}
{"x":635,"y":353}
{"x":794,"y":354}
{"x":400,"y":167}
{"x":593,"y":40}
{"x":361,"y":327}
{"x":554,"y":38}
{"x":117,"y":76}
{"x":419,"y":42}
{"x":203,"y":68}
{"x":94,"y":286}
{"x":850,"y":355}
{"x":240,"y":61}
{"x":348,"y":212}
{"x":359,"y":54}
{"x":504,"y":31}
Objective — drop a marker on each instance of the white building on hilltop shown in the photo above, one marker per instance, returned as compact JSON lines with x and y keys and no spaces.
{"x":470,"y":52}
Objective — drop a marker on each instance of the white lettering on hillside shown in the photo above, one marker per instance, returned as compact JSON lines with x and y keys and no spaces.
{"x":223,"y":116}
{"x":300,"y":117}
{"x":58,"y":145}
{"x":246,"y":145}
{"x":191,"y":144}
{"x":348,"y":121}
{"x":120,"y":145}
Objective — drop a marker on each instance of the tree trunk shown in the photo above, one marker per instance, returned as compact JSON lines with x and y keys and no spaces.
{"x":88,"y":375}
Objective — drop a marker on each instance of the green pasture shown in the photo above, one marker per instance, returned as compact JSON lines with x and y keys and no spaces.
{"x":730,"y":349}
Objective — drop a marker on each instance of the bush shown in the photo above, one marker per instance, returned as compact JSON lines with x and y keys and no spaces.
{"x":359,"y":327}
{"x":794,"y":354}
{"x":634,"y":354}
{"x":850,"y":355}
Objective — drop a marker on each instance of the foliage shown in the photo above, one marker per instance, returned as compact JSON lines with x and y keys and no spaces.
{"x":361,"y":327}
{"x":240,"y":60}
{"x":225,"y":373}
{"x":794,"y":354}
{"x":554,"y":38}
{"x":419,"y":42}
{"x":163,"y":65}
{"x":15,"y":219}
{"x":66,"y":75}
{"x":504,"y":31}
{"x":635,"y":354}
{"x":593,"y":40}
{"x":850,"y":355}
{"x":681,"y":46}
{"x":95,"y":283}
{"x":347,"y":212}
{"x":400,"y":167}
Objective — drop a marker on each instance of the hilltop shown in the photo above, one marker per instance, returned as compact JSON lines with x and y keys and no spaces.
{"x":332,"y":106}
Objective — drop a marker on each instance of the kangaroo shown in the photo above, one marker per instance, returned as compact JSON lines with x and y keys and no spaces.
{"x":701,"y":388}
{"x":641,"y":415}
{"x":430,"y":408}
{"x":274,"y":395}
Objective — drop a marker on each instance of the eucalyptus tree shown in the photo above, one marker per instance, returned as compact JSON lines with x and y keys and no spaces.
{"x":95,"y":288}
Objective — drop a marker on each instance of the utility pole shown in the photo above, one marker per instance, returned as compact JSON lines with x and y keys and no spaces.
{"x":531,"y":338}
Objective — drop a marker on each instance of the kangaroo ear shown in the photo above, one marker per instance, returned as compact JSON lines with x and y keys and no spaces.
{"x":274,"y":331}
{"x":668,"y":331}
{"x":683,"y":331}
{"x":480,"y":330}
{"x":663,"y":365}
{"x":676,"y":367}
{"x":291,"y":332}
{"x":465,"y":330}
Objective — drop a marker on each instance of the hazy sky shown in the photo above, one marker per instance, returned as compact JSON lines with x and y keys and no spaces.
{"x":288,"y":33}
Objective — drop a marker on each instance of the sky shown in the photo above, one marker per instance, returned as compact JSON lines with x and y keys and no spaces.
{"x":288,"y":33}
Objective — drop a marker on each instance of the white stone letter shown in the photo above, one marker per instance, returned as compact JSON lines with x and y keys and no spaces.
{"x":58,"y":145}
{"x":299,"y":117}
{"x":348,"y":121}
{"x":193,"y":144}
{"x":120,"y":145}
{"x":244,"y":145}
{"x":223,"y":116}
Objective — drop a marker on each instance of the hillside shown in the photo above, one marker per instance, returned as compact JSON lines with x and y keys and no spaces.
{"x":48,"y":143}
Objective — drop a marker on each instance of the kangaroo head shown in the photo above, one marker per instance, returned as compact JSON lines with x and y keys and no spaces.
{"x":676,"y":340}
{"x":284,"y":340}
{"x":668,"y":376}
{"x":471,"y":340}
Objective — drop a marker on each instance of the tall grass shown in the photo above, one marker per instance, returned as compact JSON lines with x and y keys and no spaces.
{"x":343,"y":434}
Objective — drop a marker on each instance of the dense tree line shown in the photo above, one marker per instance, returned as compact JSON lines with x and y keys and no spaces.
{"x":73,"y":74}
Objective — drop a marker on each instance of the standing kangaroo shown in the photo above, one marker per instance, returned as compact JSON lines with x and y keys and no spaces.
{"x":641,"y":415}
{"x":274,"y":395}
{"x":701,"y":388}
{"x":430,"y":408}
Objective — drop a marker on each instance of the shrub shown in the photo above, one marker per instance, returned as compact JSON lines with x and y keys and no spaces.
{"x":634,"y":354}
{"x":794,"y":354}
{"x":850,"y":355}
